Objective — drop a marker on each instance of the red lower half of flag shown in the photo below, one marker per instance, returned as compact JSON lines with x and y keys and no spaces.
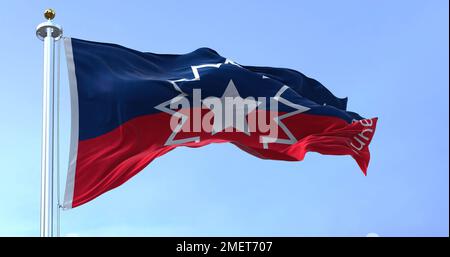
{"x":109,"y":160}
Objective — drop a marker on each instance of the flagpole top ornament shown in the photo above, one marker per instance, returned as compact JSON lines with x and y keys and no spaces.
{"x":43,"y":29}
{"x":49,"y":14}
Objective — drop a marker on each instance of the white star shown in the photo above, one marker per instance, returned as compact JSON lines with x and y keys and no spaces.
{"x":232,"y":110}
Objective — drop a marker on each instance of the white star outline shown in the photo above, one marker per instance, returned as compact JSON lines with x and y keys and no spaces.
{"x":278,"y":120}
{"x":163,"y":106}
{"x":263,"y":139}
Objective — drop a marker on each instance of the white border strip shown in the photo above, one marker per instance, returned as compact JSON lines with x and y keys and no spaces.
{"x":70,"y":182}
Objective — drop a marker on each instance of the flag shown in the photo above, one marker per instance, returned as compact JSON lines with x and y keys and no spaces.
{"x":130,"y":107}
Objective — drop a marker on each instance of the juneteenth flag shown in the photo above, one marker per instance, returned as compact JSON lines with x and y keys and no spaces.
{"x":130,"y":107}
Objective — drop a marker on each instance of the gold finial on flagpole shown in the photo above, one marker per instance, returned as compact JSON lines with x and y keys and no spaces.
{"x":49,"y":14}
{"x":55,"y":29}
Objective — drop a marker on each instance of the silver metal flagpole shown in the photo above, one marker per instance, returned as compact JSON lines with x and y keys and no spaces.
{"x":49,"y":33}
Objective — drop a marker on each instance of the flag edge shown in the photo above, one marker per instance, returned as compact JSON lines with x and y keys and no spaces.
{"x":73,"y":151}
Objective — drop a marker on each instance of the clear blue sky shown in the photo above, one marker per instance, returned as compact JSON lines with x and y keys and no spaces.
{"x":391,"y":58}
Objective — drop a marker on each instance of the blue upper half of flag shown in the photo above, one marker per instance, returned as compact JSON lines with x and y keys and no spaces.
{"x":116,"y":84}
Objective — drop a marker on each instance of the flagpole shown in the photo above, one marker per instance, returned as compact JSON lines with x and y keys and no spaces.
{"x":49,"y":33}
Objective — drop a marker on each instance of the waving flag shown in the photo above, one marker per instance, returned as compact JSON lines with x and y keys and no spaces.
{"x":130,"y":107}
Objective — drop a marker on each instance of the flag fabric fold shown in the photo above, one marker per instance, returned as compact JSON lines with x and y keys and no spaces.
{"x":130,"y":107}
